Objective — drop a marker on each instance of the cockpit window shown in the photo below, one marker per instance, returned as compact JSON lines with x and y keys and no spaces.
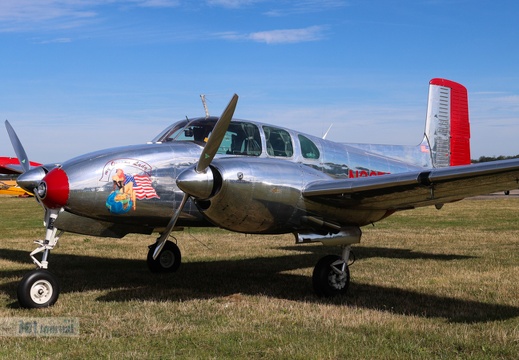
{"x":241,"y":138}
{"x":308,"y":149}
{"x":279,"y":142}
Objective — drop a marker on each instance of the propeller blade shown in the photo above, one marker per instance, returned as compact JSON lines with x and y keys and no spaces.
{"x":164,"y":236}
{"x":216,"y":137}
{"x":18,"y":147}
{"x":208,"y":153}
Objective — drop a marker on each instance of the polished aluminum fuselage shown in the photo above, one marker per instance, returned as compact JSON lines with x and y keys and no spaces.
{"x":255,"y":194}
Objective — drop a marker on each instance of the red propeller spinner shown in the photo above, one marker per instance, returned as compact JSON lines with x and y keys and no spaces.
{"x":54,"y":189}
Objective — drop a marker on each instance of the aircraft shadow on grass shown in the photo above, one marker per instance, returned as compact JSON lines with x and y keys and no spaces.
{"x":128,"y":279}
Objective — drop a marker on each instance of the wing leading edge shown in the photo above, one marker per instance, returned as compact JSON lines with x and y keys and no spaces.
{"x":12,"y":166}
{"x":418,"y":188}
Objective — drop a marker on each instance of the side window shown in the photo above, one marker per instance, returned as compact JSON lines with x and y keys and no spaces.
{"x":308,"y":149}
{"x":279,"y":142}
{"x":241,"y":139}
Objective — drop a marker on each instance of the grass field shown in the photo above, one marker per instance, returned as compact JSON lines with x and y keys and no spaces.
{"x":426,"y":284}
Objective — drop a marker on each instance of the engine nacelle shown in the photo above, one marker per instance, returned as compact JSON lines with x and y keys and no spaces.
{"x":257,"y":195}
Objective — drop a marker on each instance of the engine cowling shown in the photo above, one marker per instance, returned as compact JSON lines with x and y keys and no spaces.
{"x":253,"y":195}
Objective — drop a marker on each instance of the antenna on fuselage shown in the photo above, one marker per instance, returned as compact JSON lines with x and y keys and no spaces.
{"x":202,"y":96}
{"x":327,"y":131}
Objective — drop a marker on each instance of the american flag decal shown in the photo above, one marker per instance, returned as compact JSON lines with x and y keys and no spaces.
{"x":424,"y":148}
{"x":144,"y":190}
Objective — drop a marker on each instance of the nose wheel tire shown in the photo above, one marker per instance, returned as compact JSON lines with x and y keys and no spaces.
{"x":331,"y":276}
{"x":169,"y":258}
{"x":38,"y":289}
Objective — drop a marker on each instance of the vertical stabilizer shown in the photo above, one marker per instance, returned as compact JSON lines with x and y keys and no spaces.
{"x":447,"y":128}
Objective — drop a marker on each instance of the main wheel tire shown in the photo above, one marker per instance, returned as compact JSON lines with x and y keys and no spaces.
{"x":169,"y":258}
{"x":326,"y":281}
{"x":38,"y":289}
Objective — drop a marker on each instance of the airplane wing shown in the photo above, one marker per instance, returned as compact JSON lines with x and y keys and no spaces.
{"x":11,"y":166}
{"x":10,"y":169}
{"x":419,"y":188}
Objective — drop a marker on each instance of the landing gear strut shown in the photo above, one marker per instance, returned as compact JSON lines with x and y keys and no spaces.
{"x":331,"y":276}
{"x":40,"y":288}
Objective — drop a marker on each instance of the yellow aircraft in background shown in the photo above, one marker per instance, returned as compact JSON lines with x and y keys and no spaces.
{"x":9,"y":187}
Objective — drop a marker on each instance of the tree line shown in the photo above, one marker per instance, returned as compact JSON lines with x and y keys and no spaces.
{"x":493,"y":158}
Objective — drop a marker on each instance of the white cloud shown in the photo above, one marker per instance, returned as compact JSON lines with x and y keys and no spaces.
{"x":493,"y":107}
{"x":509,"y":100}
{"x":23,"y":15}
{"x":40,"y":10}
{"x":157,"y":3}
{"x":304,"y":7}
{"x":234,"y":4}
{"x":282,"y":7}
{"x":57,"y":41}
{"x":26,"y":15}
{"x":284,"y":36}
{"x":312,"y":33}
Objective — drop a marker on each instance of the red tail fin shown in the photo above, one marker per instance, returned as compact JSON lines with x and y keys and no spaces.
{"x":448,"y":129}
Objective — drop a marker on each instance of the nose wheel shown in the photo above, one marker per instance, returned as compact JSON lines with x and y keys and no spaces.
{"x":38,"y":289}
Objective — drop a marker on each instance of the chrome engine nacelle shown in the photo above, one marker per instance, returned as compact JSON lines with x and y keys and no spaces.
{"x":248,"y":196}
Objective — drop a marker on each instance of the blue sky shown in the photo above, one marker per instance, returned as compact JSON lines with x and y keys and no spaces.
{"x":78,"y":76}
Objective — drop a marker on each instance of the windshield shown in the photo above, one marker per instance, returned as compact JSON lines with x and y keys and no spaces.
{"x":169,"y":133}
{"x":241,"y":138}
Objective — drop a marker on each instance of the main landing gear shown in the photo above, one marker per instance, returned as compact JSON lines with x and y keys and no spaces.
{"x":40,"y":288}
{"x":331,"y":276}
{"x":168,"y":260}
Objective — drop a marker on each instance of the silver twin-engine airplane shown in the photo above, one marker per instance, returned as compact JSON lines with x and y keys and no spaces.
{"x":251,"y":177}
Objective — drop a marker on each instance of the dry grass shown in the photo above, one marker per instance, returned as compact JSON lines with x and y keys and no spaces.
{"x":426,"y":284}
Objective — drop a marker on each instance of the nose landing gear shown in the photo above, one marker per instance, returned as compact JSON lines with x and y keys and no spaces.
{"x":40,"y":288}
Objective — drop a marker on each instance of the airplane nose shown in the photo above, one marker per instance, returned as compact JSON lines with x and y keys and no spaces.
{"x":54,"y":189}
